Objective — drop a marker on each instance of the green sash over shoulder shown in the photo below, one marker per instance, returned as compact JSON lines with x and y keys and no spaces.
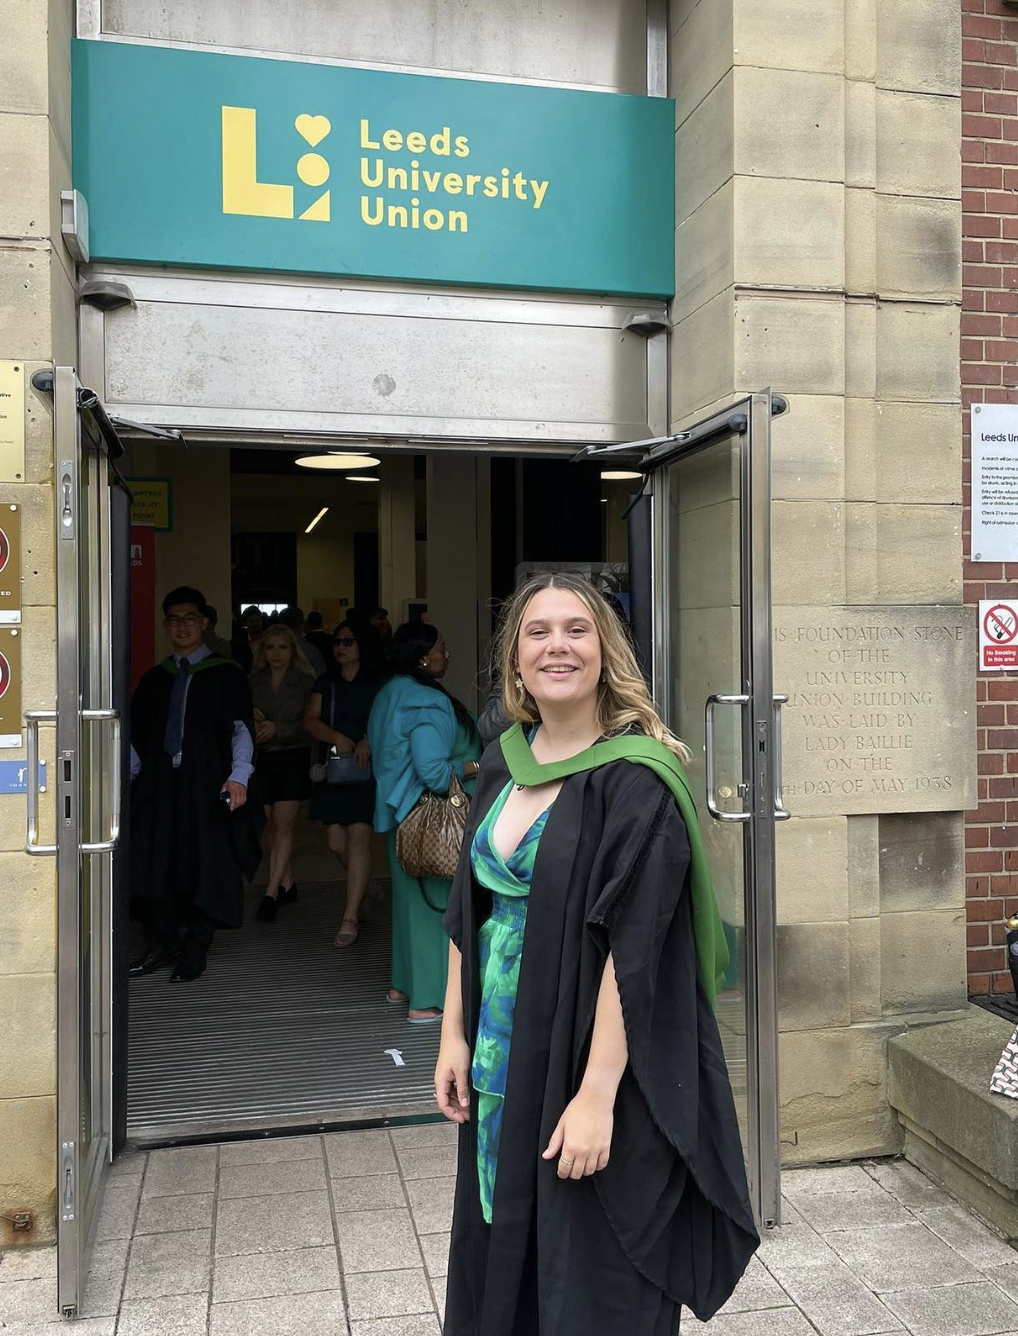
{"x":708,"y":931}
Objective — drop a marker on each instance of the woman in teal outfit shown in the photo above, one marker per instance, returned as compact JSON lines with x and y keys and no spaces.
{"x":600,"y":1179}
{"x":419,"y":735}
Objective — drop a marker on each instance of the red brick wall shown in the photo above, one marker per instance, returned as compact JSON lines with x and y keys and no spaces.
{"x":989,"y":374}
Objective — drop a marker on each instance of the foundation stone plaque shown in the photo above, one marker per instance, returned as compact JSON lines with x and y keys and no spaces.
{"x":881,"y":708}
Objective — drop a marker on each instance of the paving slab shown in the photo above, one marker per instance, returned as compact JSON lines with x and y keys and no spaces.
{"x":181,"y":1171}
{"x":380,"y":1192}
{"x":177,"y":1262}
{"x":756,"y":1290}
{"x":428,"y":1161}
{"x":435,"y":1248}
{"x":29,"y":1264}
{"x":358,"y":1154}
{"x":372,"y":1294}
{"x":830,"y":1179}
{"x":282,"y":1315}
{"x":431,"y":1201}
{"x":181,"y":1315}
{"x":263,"y":1180}
{"x":900,"y":1257}
{"x":975,"y":1241}
{"x":161,"y":1215}
{"x":420,"y":1324}
{"x":904,"y":1181}
{"x":376,"y":1241}
{"x":775,"y":1322}
{"x":828,"y":1211}
{"x":273,"y":1224}
{"x":980,"y":1309}
{"x":424,"y":1135}
{"x":836,"y":1301}
{"x":270,"y":1150}
{"x":120,"y":1205}
{"x":269,"y":1275}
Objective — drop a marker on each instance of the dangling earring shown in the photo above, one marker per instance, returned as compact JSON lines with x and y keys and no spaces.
{"x":519,"y":682}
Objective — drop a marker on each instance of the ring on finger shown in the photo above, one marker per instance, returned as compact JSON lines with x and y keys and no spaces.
{"x":566,"y":1164}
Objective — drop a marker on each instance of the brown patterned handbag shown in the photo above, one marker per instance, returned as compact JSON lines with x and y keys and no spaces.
{"x":430,"y":836}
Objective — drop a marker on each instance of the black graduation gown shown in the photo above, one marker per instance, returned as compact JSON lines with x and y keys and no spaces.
{"x":668,"y":1221}
{"x":186,"y":844}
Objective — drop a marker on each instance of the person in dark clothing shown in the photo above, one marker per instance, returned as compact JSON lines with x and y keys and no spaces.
{"x":193,"y":837}
{"x":379,"y":620}
{"x":601,"y":1182}
{"x":215,"y":642}
{"x":319,"y":637}
{"x":250,"y":631}
{"x":293,"y":617}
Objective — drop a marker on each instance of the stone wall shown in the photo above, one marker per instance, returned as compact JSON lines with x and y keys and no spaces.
{"x":818,"y":252}
{"x":36,"y":327}
{"x":989,"y":352}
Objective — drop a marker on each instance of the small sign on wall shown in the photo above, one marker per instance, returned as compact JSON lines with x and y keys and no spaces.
{"x":998,"y":635}
{"x":10,"y":686}
{"x":10,"y":565}
{"x":994,"y":482}
{"x":12,"y":422}
{"x":152,"y":502}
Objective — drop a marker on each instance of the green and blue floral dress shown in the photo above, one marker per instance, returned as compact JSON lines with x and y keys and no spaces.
{"x":500,"y":946}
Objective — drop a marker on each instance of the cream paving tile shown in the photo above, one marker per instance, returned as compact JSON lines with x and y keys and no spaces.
{"x":379,"y":1192}
{"x":263,"y":1180}
{"x":431,"y":1201}
{"x":954,"y":1310}
{"x":110,"y":1258}
{"x":163,"y":1215}
{"x":976,"y":1242}
{"x":178,"y":1315}
{"x":281,"y":1315}
{"x":388,"y":1294}
{"x":270,"y":1150}
{"x":358,"y":1154}
{"x":836,"y":1178}
{"x":907,"y":1183}
{"x":419,"y":1324}
{"x":29,"y":1301}
{"x":435,"y":1248}
{"x":756,"y":1290}
{"x":774,"y":1322}
{"x":836,"y":1301}
{"x":172,"y":1263}
{"x":424,"y":1135}
{"x":273,"y":1224}
{"x":120,"y":1205}
{"x":268,"y":1275}
{"x":827,"y":1211}
{"x":181,"y":1171}
{"x":428,"y":1161}
{"x":376,"y":1241}
{"x":899,"y":1257}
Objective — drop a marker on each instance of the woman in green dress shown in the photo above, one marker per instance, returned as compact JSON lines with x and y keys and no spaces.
{"x":419,"y":737}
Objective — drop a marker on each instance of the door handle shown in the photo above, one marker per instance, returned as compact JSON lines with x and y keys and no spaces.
{"x":33,"y":718}
{"x":712,"y":801}
{"x":111,"y":717}
{"x":781,"y":813}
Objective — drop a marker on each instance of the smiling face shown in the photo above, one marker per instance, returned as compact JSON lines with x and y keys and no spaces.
{"x":186,"y":627}
{"x":558,"y":651}
{"x":278,"y":652}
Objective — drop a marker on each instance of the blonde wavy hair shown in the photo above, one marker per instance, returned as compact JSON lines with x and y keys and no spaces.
{"x":622,"y":696}
{"x":298,"y":659}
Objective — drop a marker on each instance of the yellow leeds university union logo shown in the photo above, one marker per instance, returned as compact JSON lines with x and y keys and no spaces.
{"x":244,"y":193}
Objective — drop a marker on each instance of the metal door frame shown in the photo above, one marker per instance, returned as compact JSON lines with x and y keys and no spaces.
{"x":749,"y":421}
{"x":80,"y":1182}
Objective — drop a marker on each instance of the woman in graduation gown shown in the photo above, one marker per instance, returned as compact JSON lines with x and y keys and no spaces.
{"x":601,"y":1182}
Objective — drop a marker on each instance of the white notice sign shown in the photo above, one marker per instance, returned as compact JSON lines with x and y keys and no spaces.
{"x":994,"y":482}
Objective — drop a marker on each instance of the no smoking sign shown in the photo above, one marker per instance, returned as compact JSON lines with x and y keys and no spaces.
{"x":998,"y":635}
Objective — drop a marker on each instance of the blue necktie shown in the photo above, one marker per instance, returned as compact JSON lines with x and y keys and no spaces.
{"x":174,"y":736}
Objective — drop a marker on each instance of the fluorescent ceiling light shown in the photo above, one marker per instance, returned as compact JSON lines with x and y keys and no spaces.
{"x":321,"y":515}
{"x":619,"y":475}
{"x":337,"y":461}
{"x":360,"y":477}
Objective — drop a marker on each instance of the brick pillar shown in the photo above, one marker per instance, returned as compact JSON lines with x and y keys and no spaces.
{"x":989,"y":360}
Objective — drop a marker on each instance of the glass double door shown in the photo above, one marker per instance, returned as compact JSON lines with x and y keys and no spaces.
{"x":83,"y":737}
{"x":700,"y":542}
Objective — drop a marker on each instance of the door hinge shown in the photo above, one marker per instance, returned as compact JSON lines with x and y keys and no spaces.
{"x":67,"y":1181}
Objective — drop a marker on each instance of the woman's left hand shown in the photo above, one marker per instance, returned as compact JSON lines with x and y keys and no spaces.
{"x":582,"y":1140}
{"x":362,"y":754}
{"x":265,"y":730}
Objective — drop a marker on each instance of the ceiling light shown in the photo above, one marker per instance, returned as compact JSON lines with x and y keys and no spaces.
{"x":321,"y":515}
{"x":619,"y":475}
{"x":337,"y":461}
{"x":360,"y":477}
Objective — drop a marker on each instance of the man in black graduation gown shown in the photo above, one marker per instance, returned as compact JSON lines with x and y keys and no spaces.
{"x":193,"y":839}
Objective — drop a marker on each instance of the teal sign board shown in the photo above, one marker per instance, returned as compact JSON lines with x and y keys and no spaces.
{"x":235,"y":162}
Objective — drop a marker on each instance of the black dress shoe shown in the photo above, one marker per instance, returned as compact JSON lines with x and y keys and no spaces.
{"x":267,"y":910}
{"x":155,"y":958}
{"x":288,"y":894}
{"x":189,"y":969}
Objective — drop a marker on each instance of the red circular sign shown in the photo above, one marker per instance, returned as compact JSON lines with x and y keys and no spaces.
{"x":5,"y":674}
{"x":1001,"y":624}
{"x":5,"y":550}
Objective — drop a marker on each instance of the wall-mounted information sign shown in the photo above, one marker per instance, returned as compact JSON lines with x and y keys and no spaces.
{"x":994,"y":482}
{"x":10,"y":565}
{"x":998,"y":635}
{"x":152,"y":502}
{"x":12,"y":422}
{"x":10,"y":686}
{"x":235,"y":162}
